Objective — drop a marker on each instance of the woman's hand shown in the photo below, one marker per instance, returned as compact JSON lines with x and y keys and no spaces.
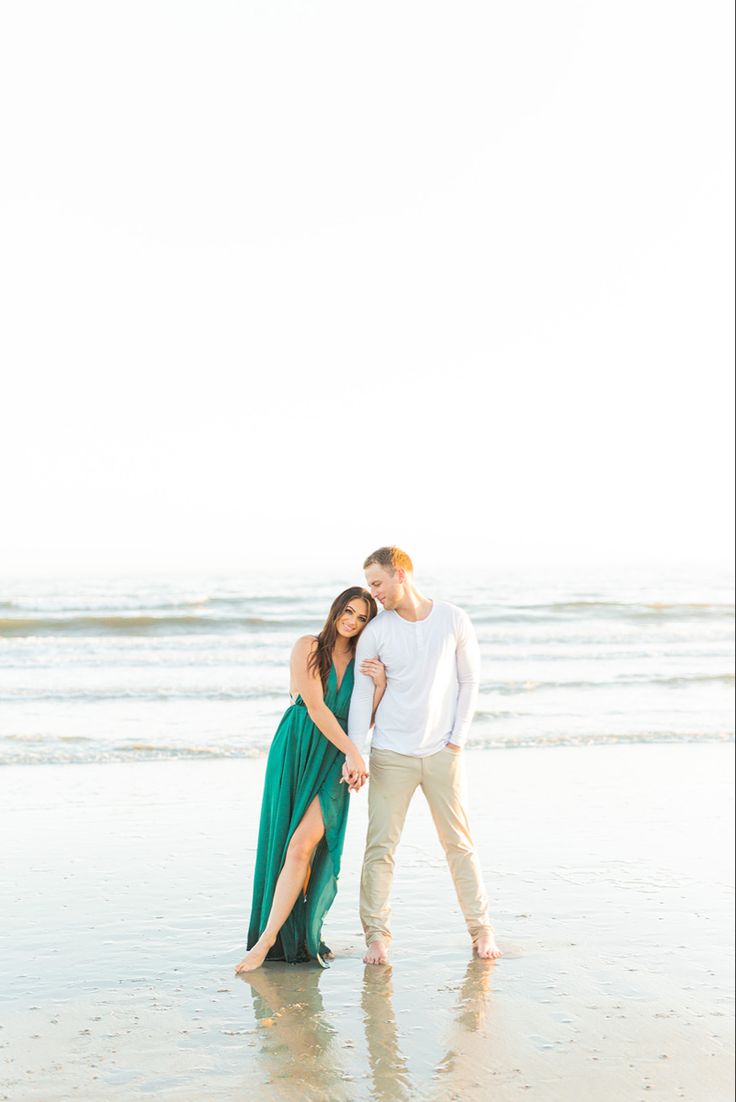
{"x":354,"y":764}
{"x":354,"y":772}
{"x":375,"y":669}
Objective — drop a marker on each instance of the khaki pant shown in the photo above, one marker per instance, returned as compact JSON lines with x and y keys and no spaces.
{"x":394,"y":779}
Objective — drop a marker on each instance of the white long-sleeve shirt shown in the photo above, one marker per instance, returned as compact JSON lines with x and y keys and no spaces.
{"x":433,"y":673}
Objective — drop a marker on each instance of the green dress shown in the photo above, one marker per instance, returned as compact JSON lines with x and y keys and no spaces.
{"x":302,"y":764}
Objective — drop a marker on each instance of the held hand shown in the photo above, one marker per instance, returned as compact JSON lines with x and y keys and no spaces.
{"x":354,"y":764}
{"x":375,"y":669}
{"x":357,"y":781}
{"x":354,"y":780}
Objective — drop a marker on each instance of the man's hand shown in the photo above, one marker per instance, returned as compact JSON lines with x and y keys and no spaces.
{"x":354,"y":779}
{"x":454,"y":747}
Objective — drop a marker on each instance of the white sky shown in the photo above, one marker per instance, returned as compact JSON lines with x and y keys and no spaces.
{"x":286,"y":281}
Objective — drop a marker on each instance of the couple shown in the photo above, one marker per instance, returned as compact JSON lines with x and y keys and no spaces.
{"x":413,"y":672}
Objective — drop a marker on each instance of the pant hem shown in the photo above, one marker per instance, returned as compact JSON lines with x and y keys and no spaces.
{"x":377,"y":937}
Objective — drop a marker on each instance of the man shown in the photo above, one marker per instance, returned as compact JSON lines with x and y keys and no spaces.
{"x":432,"y":665}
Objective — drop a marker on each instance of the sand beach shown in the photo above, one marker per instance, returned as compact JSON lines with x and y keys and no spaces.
{"x":610,"y":868}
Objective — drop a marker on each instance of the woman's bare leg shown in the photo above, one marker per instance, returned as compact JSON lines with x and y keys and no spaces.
{"x":290,"y":883}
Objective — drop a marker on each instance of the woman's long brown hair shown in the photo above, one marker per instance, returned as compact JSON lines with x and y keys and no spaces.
{"x":321,"y":657}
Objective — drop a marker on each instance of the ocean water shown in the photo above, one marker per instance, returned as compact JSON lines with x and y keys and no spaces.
{"x":125,"y":669}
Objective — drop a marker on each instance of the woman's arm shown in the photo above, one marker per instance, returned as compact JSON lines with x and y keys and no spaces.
{"x":308,"y":683}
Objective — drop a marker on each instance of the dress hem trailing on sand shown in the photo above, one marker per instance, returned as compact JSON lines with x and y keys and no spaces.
{"x":302,"y":764}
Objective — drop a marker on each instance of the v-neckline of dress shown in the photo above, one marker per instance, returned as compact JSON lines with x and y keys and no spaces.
{"x":339,"y":685}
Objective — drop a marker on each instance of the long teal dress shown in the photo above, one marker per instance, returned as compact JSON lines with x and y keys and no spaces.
{"x":302,"y":764}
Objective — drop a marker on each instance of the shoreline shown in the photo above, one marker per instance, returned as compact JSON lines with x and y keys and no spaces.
{"x":123,"y":756}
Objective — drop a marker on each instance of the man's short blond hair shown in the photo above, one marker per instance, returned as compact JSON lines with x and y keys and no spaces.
{"x":390,"y":558}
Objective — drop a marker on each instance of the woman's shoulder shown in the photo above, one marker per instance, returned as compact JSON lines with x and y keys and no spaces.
{"x":305,"y":644}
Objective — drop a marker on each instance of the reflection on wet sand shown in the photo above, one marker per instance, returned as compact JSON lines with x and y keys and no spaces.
{"x":463,"y":1070}
{"x":297,"y":1042}
{"x":304,"y":1059}
{"x":472,"y":1004}
{"x":389,"y":1069}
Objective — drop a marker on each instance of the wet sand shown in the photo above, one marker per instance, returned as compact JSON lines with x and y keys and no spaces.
{"x":125,"y":894}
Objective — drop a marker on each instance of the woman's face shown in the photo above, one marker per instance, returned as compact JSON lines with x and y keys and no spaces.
{"x":353,"y":618}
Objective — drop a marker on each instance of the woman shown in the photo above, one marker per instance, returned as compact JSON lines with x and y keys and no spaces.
{"x":305,"y":804}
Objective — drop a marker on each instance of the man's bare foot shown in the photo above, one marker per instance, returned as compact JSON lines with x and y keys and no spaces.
{"x":377,"y":953}
{"x":486,"y":948}
{"x":255,"y":957}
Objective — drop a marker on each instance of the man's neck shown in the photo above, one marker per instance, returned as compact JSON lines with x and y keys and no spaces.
{"x":414,"y":605}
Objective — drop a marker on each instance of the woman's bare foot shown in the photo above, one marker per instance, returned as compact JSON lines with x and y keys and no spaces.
{"x":486,"y":948}
{"x":255,"y":957}
{"x":377,"y":953}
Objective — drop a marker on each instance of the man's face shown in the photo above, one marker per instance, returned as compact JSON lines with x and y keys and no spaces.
{"x":386,"y":587}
